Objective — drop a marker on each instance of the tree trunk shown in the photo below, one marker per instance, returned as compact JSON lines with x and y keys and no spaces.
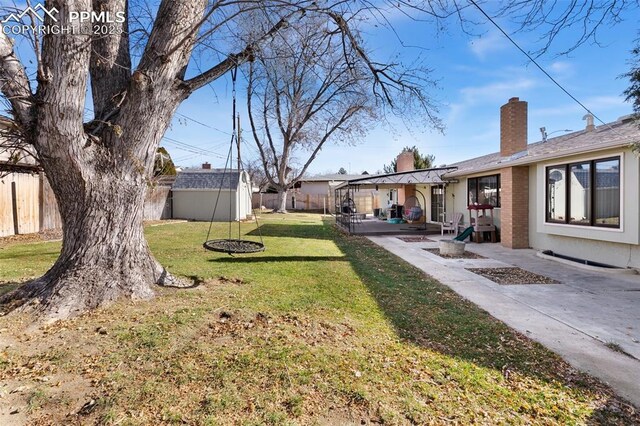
{"x":104,"y":253}
{"x":282,"y":201}
{"x":99,"y":170}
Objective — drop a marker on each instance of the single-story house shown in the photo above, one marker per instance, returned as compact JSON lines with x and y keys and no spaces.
{"x":316,"y":192}
{"x":198,"y":193}
{"x":323,"y":184}
{"x":577,"y":194}
{"x":309,"y":193}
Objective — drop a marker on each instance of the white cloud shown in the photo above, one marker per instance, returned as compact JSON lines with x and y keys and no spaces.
{"x":485,"y":45}
{"x":496,"y":91}
{"x":561,"y":69}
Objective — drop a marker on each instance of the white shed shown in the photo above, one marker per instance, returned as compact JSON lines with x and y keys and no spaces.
{"x":195,"y":193}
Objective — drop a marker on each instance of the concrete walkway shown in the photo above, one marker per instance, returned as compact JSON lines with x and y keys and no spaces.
{"x":575,"y":318}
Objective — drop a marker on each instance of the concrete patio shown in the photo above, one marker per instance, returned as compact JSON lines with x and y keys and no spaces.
{"x":576,"y":318}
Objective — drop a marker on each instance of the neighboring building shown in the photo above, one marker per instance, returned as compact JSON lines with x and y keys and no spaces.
{"x":316,"y":192}
{"x":576,"y":194}
{"x":196,"y":192}
{"x":309,"y":193}
{"x":322,"y":184}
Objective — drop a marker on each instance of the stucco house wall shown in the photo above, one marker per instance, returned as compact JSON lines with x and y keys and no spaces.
{"x":314,"y":188}
{"x":457,"y":196}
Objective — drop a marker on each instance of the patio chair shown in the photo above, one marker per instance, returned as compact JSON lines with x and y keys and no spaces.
{"x":413,"y":215}
{"x":412,"y":209}
{"x":452,"y":225}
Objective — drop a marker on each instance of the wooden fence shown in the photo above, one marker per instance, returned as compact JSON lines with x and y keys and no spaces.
{"x":301,"y":201}
{"x":158,"y":204}
{"x":28,"y":205}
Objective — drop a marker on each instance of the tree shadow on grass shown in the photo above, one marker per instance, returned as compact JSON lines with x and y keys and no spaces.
{"x":431,"y":315}
{"x":286,"y":230}
{"x":269,"y":259}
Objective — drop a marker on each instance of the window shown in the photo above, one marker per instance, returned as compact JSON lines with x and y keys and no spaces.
{"x":484,"y":190}
{"x":556,"y":193}
{"x":607,"y":198}
{"x":585,"y":193}
{"x":580,"y":194}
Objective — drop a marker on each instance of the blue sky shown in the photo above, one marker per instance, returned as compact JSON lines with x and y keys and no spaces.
{"x":475,"y":76}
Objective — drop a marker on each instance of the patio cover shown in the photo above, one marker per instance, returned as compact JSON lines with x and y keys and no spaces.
{"x":423,"y":176}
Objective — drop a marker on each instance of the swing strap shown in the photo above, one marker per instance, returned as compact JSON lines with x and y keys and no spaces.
{"x":230,"y":245}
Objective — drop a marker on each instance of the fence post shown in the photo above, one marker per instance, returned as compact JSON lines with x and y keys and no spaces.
{"x":14,"y":208}
{"x":41,"y":200}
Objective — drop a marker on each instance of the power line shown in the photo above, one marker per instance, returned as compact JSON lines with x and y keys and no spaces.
{"x":190,"y":148}
{"x":185,"y":146}
{"x":534,"y":61}
{"x":203,"y":124}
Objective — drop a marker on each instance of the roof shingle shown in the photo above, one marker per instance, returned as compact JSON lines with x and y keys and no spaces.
{"x":207,"y":179}
{"x":620,"y":133}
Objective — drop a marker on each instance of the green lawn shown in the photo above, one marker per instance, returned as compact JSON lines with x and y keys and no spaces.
{"x":318,"y":329}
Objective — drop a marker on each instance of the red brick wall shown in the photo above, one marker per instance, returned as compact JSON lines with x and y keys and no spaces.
{"x":513,"y":127}
{"x":404,"y":162}
{"x":514,"y":201}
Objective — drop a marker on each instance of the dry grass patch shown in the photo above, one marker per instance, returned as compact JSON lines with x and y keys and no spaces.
{"x":512,"y":276}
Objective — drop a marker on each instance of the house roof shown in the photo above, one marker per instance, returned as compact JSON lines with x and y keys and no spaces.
{"x":207,"y":179}
{"x":331,"y":177}
{"x":421,"y":176}
{"x":620,"y":133}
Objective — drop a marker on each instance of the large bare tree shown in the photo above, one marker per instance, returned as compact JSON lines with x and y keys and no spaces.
{"x":314,"y":84}
{"x":304,"y":90}
{"x":99,"y":170}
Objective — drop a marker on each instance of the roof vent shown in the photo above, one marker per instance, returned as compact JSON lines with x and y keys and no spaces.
{"x":590,"y":125}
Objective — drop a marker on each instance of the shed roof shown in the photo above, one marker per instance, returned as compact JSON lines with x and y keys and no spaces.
{"x":207,"y":179}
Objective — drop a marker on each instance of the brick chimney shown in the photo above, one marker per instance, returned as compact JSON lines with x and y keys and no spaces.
{"x":513,"y":127}
{"x":404,"y":162}
{"x":206,"y":166}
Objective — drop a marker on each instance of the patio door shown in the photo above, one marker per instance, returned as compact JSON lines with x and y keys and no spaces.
{"x":437,"y":203}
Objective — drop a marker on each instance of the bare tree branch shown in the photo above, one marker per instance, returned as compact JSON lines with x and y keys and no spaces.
{"x":110,"y":65}
{"x":232,"y":60}
{"x":15,"y":85}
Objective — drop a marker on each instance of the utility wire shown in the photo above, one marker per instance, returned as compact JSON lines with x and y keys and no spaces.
{"x":190,"y":148}
{"x":203,"y":124}
{"x":185,"y":146}
{"x":534,"y":61}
